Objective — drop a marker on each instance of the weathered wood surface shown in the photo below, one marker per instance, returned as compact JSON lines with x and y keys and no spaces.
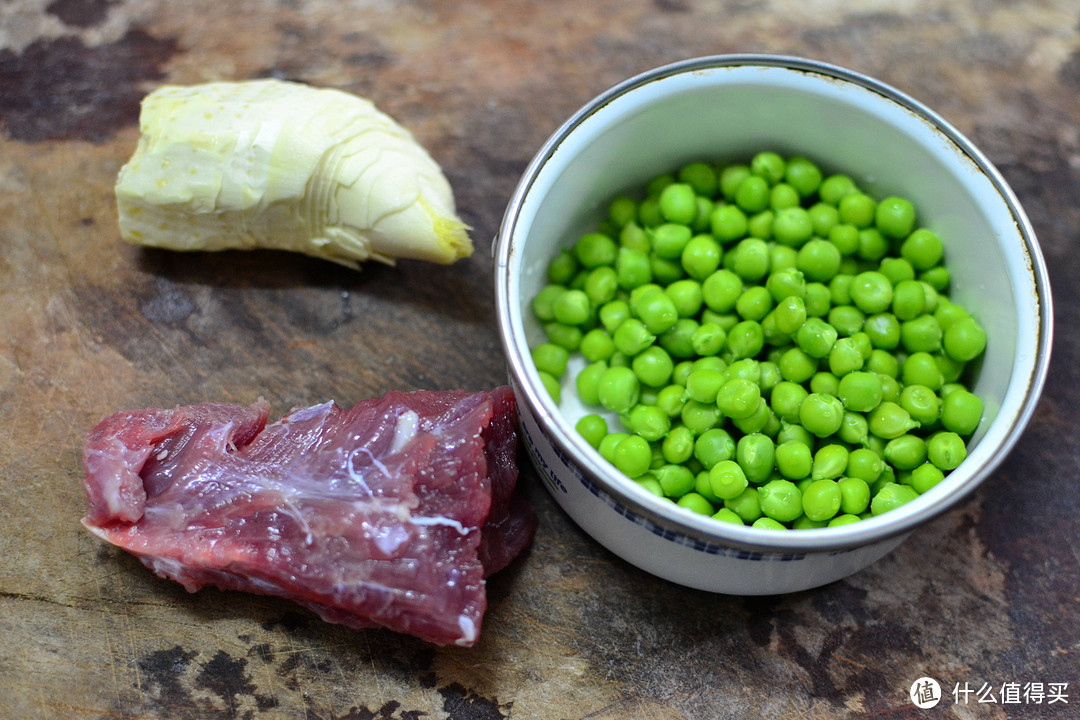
{"x":988,"y":594}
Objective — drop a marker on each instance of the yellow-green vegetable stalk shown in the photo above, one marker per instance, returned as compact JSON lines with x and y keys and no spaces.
{"x":281,"y":165}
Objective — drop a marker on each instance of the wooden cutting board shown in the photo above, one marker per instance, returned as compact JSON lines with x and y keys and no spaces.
{"x":89,"y":325}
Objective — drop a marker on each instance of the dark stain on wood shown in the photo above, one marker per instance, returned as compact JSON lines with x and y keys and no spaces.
{"x":80,"y":13}
{"x":61,"y":89}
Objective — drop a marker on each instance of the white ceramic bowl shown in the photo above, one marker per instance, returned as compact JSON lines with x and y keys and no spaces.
{"x":727,"y":108}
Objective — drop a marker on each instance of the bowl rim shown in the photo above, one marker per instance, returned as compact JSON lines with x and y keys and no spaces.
{"x":744,"y":537}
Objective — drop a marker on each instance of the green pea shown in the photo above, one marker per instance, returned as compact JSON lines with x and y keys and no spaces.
{"x":713,"y":446}
{"x":676,"y":480}
{"x":759,"y":225}
{"x":728,"y":516}
{"x":898,"y":270}
{"x":687,"y":297}
{"x":888,"y":420}
{"x":895,"y":217}
{"x":883,"y":330}
{"x":921,"y":402}
{"x":632,"y":268}
{"x":821,"y":500}
{"x":785,"y":283}
{"x":780,"y":500}
{"x":708,"y":339}
{"x":920,"y":368}
{"x":678,"y":446}
{"x":786,"y":398}
{"x":818,"y":299}
{"x":937,"y":277}
{"x":632,"y":456}
{"x":730,"y":179}
{"x":860,"y":391}
{"x":588,"y":382}
{"x":819,"y":260}
{"x":756,"y":453}
{"x":854,"y":495}
{"x":727,"y":480}
{"x":758,"y":421}
{"x":946,"y":450}
{"x":747,"y":505}
{"x":796,"y":365}
{"x":790,"y":314}
{"x":648,"y":481}
{"x":550,"y":358}
{"x":543,"y":305}
{"x":792,"y":226}
{"x":793,"y":432}
{"x":857,"y":209}
{"x":679,"y":339}
{"x":816,"y":337}
{"x":845,"y":519}
{"x":845,"y":237}
{"x":925,"y":477}
{"x":699,"y":417}
{"x":618,"y":389}
{"x":961,"y":412}
{"x":821,"y":414}
{"x":845,"y":357}
{"x":671,"y":399}
{"x":835,"y":188}
{"x":727,"y":223}
{"x":752,"y":195}
{"x":595,"y":249}
{"x":871,"y":292}
{"x":653,"y":367}
{"x":830,"y":462}
{"x":891,"y":496}
{"x":701,"y":256}
{"x":794,"y":460}
{"x":565,"y":336}
{"x":551,"y":385}
{"x":678,"y":203}
{"x":593,"y":428}
{"x":803,"y":175}
{"x":873,"y":246}
{"x":890,"y":389}
{"x":909,"y":299}
{"x":751,"y":259}
{"x":864,"y":464}
{"x":768,"y":165}
{"x":650,"y":422}
{"x":721,"y":291}
{"x":701,"y":177}
{"x":737,"y":398}
{"x":703,"y":385}
{"x":923,"y":249}
{"x":657,"y":311}
{"x":906,"y":452}
{"x":767,"y":523}
{"x":923,"y":334}
{"x":881,"y":362}
{"x":613,"y":314}
{"x":597,"y":345}
{"x":745,"y":339}
{"x":608,"y":443}
{"x":782,"y":257}
{"x":754,"y":304}
{"x":562,"y":268}
{"x":823,"y":219}
{"x":632,"y":336}
{"x":825,"y":382}
{"x":964,"y":340}
{"x":696,"y":503}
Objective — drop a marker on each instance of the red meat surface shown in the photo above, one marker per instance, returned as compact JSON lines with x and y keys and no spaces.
{"x":389,"y":514}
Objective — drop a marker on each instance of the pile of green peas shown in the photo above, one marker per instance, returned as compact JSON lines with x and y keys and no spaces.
{"x":773,"y":346}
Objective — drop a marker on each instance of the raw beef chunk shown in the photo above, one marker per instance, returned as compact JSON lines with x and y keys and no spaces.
{"x":389,"y":514}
